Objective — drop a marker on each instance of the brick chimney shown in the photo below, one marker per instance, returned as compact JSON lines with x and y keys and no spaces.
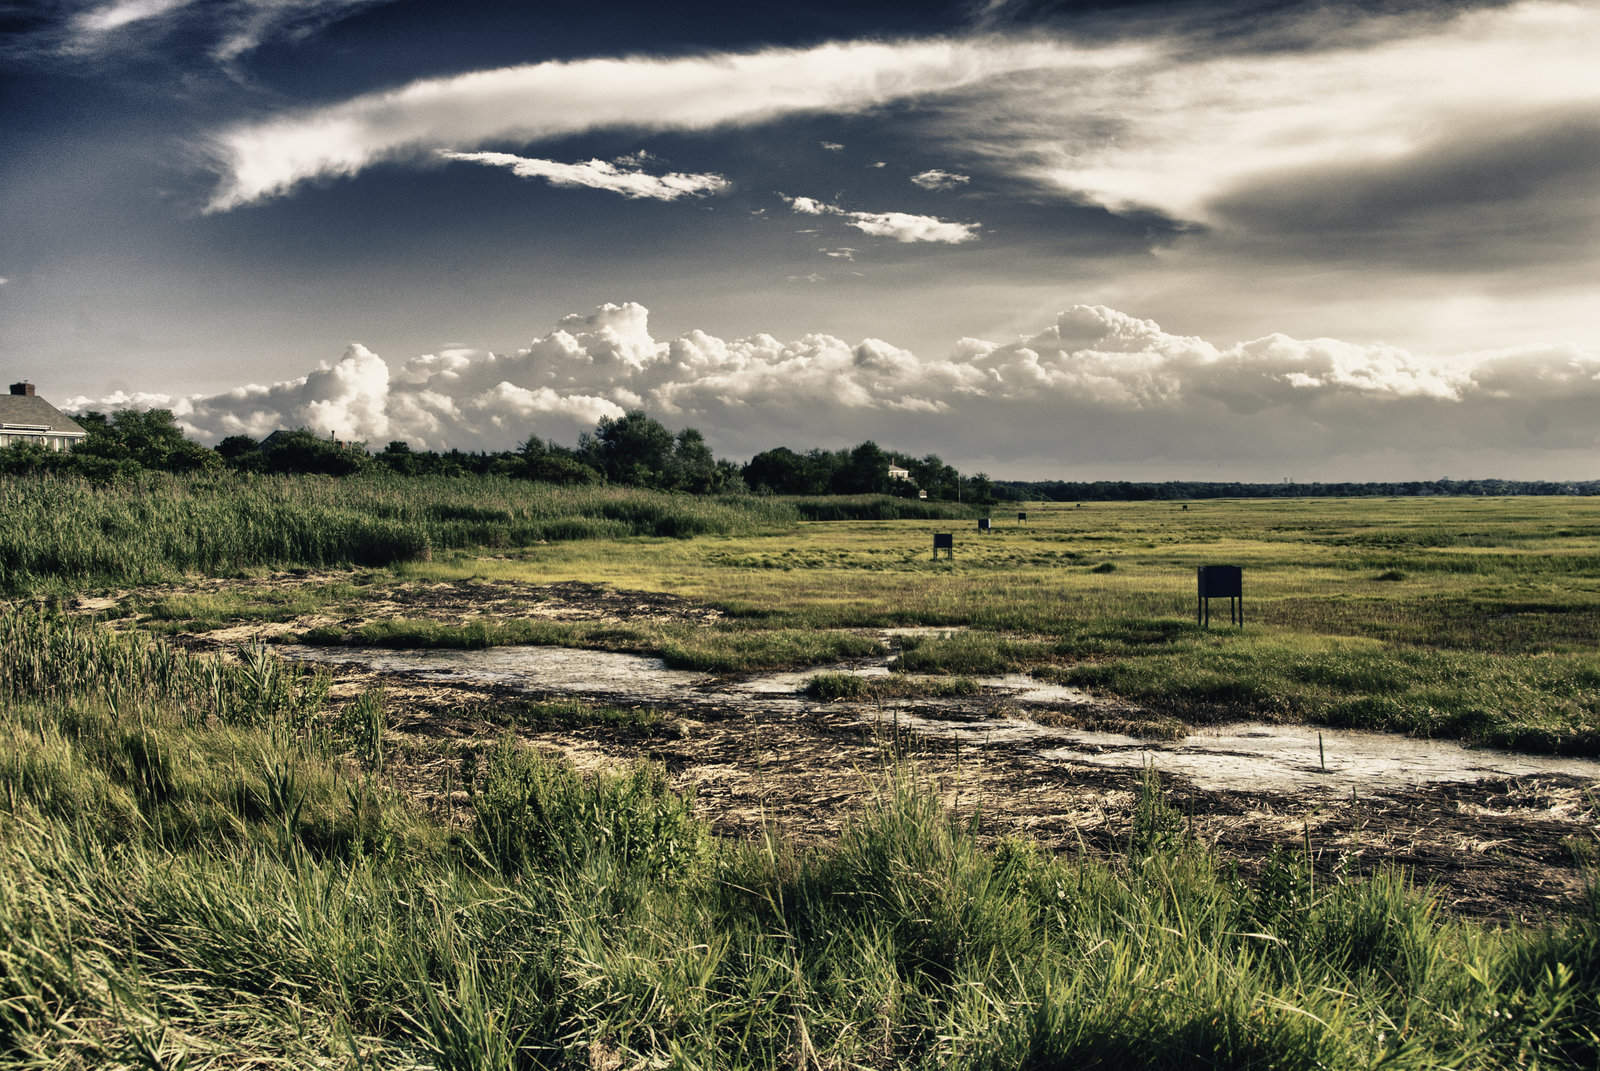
{"x":24,"y":388}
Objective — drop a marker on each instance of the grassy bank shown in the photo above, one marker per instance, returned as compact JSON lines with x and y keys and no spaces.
{"x":62,"y":533}
{"x":202,"y":864}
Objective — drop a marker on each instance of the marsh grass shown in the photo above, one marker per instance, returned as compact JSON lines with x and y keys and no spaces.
{"x":879,"y":508}
{"x":63,"y":533}
{"x":222,"y":887}
{"x":1546,"y":703}
{"x":856,"y":686}
{"x":1490,"y":634}
{"x":203,"y":611}
{"x":1477,"y":619}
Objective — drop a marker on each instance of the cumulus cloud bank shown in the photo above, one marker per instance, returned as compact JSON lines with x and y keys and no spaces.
{"x":627,"y":180}
{"x":1096,"y":390}
{"x":901,"y":226}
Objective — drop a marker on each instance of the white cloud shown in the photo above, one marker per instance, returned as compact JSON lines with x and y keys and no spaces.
{"x":229,"y":30}
{"x":538,"y":101}
{"x":843,"y":252}
{"x":114,"y":16}
{"x":1096,"y":391}
{"x":1177,"y":129}
{"x":831,"y":146}
{"x":809,"y":206}
{"x":906,"y":227}
{"x":810,"y":277}
{"x":599,"y":175}
{"x":935,"y":179}
{"x":901,"y":226}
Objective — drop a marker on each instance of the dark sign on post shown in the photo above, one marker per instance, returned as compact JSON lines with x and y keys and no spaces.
{"x":1022,"y":516}
{"x":1220,"y":582}
{"x":983,"y":524}
{"x":945,"y":541}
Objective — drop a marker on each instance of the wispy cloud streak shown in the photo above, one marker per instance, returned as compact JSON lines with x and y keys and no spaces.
{"x":600,"y":175}
{"x":530,"y":103}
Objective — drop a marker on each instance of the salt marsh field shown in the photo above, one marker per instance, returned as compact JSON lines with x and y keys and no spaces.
{"x":639,"y":797}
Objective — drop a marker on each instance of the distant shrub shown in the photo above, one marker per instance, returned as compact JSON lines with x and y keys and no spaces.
{"x":1105,"y":567}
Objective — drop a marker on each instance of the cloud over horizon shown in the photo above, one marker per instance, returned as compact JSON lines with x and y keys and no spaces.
{"x":1096,"y":392}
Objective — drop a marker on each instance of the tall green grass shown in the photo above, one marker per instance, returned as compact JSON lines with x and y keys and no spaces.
{"x":880,"y":508}
{"x":58,"y":533}
{"x":591,"y":923}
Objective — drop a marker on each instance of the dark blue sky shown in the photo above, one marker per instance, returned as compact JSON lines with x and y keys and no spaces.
{"x":204,"y":194}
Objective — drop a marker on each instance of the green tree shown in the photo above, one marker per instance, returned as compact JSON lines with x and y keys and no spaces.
{"x":865,"y":471}
{"x":399,"y":457}
{"x":631,"y":449}
{"x":693,"y":468}
{"x":305,"y":451}
{"x":149,"y":438}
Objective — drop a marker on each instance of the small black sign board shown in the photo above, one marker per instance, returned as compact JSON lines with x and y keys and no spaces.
{"x":1022,"y":516}
{"x":945,"y":541}
{"x":983,"y":524}
{"x":1220,"y":582}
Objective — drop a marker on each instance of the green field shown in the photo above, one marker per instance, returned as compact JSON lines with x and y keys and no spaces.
{"x":1470,"y":618}
{"x":208,"y":863}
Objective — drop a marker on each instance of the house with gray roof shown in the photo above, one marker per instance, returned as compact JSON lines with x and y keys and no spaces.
{"x":27,"y":418}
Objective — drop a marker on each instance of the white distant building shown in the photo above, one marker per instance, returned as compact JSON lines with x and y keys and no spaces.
{"x":27,"y":418}
{"x":898,"y":473}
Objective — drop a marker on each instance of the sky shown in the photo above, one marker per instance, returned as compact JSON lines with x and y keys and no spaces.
{"x":1079,"y":239}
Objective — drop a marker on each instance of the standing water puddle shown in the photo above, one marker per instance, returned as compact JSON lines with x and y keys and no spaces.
{"x":1282,"y":758}
{"x":1271,"y":758}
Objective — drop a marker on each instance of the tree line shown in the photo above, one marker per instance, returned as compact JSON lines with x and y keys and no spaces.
{"x":1128,"y":491}
{"x":639,"y":451}
{"x":634,"y":450}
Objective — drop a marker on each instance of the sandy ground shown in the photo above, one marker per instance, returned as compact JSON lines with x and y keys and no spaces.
{"x":1498,"y":846}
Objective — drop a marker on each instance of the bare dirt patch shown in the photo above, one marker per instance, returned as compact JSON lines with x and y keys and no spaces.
{"x":1501,"y":847}
{"x":448,"y":602}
